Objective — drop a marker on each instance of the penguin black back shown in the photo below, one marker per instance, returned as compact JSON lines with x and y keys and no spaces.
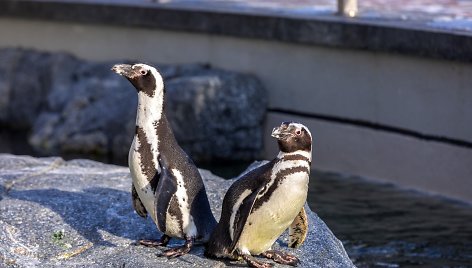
{"x":173,"y":157}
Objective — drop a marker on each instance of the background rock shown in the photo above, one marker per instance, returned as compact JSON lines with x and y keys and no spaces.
{"x":73,"y":106}
{"x":78,"y":213}
{"x":25,"y":81}
{"x":217,"y":114}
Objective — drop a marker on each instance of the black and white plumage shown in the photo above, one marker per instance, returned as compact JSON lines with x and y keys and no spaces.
{"x":266,"y":201}
{"x":166,"y":183}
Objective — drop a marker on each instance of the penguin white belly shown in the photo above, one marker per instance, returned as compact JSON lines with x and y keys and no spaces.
{"x":141,"y":183}
{"x":272,"y":218}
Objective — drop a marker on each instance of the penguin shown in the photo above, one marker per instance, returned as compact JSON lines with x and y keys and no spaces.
{"x":166,"y":183}
{"x":264,"y":202}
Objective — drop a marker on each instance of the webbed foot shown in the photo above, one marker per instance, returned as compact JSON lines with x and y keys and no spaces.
{"x":281,"y":257}
{"x":178,"y":251}
{"x":252,"y":262}
{"x":154,"y":244}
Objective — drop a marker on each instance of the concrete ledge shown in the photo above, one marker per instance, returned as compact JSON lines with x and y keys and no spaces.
{"x":429,"y":166}
{"x":323,"y":30}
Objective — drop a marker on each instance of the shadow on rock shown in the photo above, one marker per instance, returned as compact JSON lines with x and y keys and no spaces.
{"x":92,"y":211}
{"x":2,"y":192}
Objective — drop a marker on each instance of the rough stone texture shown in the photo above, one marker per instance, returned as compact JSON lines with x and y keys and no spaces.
{"x":78,"y":213}
{"x":25,"y":80}
{"x":79,"y":107}
{"x":224,"y":106}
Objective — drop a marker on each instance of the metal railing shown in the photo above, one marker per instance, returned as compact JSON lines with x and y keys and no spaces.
{"x":347,"y":8}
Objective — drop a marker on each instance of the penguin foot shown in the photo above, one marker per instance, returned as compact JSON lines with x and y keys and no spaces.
{"x":154,"y":244}
{"x":252,"y":262}
{"x":178,"y":251}
{"x":281,"y":257}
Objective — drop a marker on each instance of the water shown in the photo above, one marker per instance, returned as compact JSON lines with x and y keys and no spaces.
{"x":380,"y":225}
{"x":384,"y":226}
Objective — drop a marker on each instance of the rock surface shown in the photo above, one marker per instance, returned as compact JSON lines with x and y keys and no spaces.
{"x":78,"y":213}
{"x":79,"y":107}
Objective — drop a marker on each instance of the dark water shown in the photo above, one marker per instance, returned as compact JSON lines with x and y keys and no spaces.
{"x":380,"y":225}
{"x":384,"y":226}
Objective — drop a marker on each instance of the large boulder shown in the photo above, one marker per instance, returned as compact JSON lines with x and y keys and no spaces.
{"x":75,"y":107}
{"x":217,"y":114}
{"x":56,"y":213}
{"x":26,"y":78}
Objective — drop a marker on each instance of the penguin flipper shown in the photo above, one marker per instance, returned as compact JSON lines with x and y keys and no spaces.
{"x":298,"y":230}
{"x":241,"y":217}
{"x":137,"y":203}
{"x":166,"y":188}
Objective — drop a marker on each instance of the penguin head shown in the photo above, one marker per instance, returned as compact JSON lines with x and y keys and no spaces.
{"x":292,"y":137}
{"x":144,"y":78}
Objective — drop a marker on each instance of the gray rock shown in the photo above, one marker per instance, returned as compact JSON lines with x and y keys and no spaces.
{"x":86,"y":113}
{"x":217,"y":114}
{"x":79,"y":107}
{"x":78,"y":213}
{"x":25,"y":81}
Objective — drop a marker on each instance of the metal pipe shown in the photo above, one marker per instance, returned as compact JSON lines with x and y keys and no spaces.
{"x":347,"y":8}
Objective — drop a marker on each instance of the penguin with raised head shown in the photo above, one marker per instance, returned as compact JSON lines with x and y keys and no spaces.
{"x":166,"y":183}
{"x":265,"y":201}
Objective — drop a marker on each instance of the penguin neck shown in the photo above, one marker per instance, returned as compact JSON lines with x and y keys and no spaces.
{"x":304,"y":153}
{"x":150,"y":113}
{"x":150,"y":109}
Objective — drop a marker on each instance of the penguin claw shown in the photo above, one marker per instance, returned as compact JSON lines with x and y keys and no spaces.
{"x":281,"y":257}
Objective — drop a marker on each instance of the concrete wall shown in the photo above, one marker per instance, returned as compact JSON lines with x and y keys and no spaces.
{"x":430,"y":166}
{"x":420,"y":95}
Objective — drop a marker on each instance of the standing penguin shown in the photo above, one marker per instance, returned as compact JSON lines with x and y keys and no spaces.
{"x":266,"y":201}
{"x":166,"y":183}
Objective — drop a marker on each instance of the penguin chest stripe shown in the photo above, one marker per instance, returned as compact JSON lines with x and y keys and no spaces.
{"x":296,"y":154}
{"x":278,"y":177}
{"x":281,"y":169}
{"x":145,"y":153}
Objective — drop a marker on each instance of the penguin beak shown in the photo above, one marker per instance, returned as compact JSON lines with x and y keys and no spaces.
{"x":279,"y":132}
{"x":125,"y":70}
{"x":282,"y":132}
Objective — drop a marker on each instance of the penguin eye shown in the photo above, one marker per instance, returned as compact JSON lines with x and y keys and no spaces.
{"x":143,"y":72}
{"x":298,"y":132}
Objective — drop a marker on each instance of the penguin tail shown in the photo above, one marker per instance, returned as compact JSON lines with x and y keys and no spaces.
{"x":216,"y":251}
{"x":218,"y":245}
